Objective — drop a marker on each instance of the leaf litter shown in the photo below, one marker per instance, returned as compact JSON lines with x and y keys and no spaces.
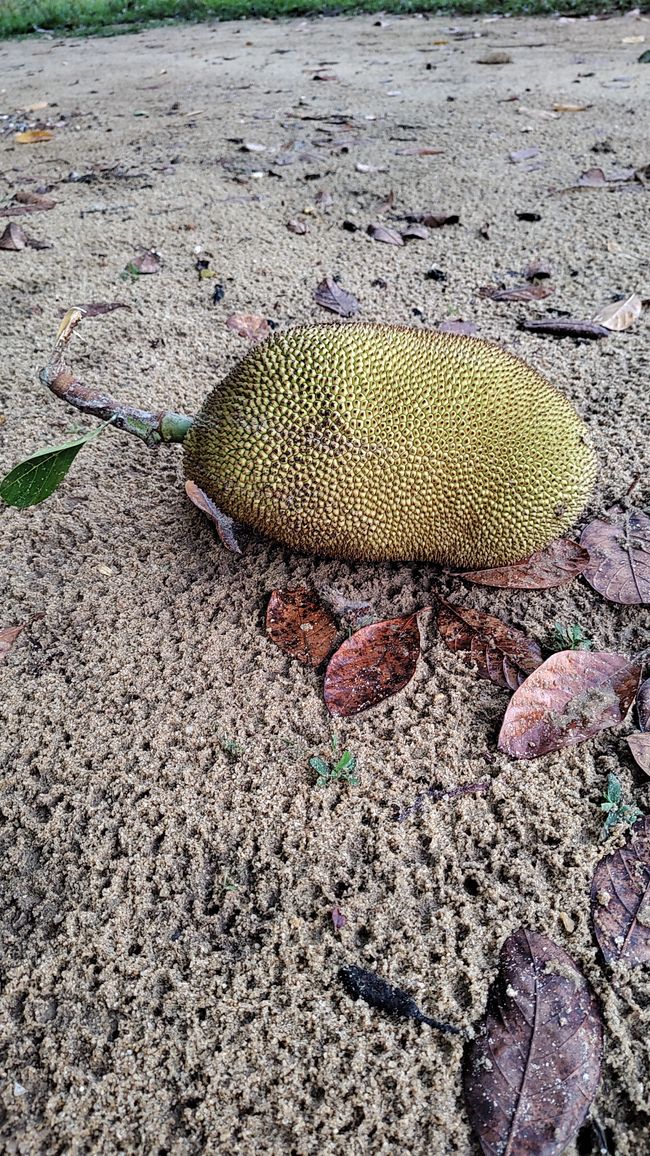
{"x":620,"y":900}
{"x":374,"y":663}
{"x":301,"y":626}
{"x":500,"y":653}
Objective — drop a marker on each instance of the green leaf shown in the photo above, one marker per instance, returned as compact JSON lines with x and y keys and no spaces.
{"x":320,"y":766}
{"x":613,"y":789}
{"x":34,"y":479}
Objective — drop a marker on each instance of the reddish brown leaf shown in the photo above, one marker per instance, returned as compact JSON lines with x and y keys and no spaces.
{"x":147,"y":262}
{"x":643,"y":705}
{"x":37,"y":200}
{"x":455,"y":325}
{"x":620,"y":900}
{"x":14,"y":238}
{"x":226,"y":527}
{"x":556,"y":565}
{"x":300,"y":625}
{"x":436,"y":220}
{"x":330,"y":295}
{"x":640,"y":748}
{"x":297,"y":226}
{"x":249,"y":325}
{"x":537,"y":270}
{"x":619,"y":557}
{"x":533,"y":1069}
{"x":388,"y":236}
{"x":376,"y":662}
{"x":501,"y":653}
{"x":565,"y":327}
{"x":8,"y":635}
{"x":516,"y":292}
{"x":567,"y":700}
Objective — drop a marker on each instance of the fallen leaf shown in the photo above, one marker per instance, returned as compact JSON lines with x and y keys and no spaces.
{"x":415,"y":232}
{"x":297,"y":226}
{"x":532,"y":1071}
{"x":23,"y":197}
{"x":376,"y":662}
{"x":555,"y":565}
{"x":436,"y":220}
{"x":571,"y":107}
{"x":330,"y":295}
{"x":640,"y":748}
{"x":146,"y":262}
{"x":593,"y":178}
{"x":35,"y":478}
{"x":381,"y":994}
{"x":643,"y":706}
{"x":516,"y":292}
{"x":537,"y":270}
{"x":249,"y":325}
{"x":382,"y":233}
{"x":620,"y":900}
{"x":338,"y":919}
{"x":495,"y":58}
{"x":300,"y":625}
{"x":570,"y":698}
{"x":619,"y":556}
{"x":226,"y":527}
{"x":620,"y":314}
{"x":565,"y":327}
{"x":501,"y":653}
{"x":455,"y":325}
{"x":8,"y":635}
{"x":14,"y":238}
{"x":33,"y":136}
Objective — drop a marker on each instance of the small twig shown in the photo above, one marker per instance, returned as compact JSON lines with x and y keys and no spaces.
{"x":152,"y":428}
{"x":437,"y":793}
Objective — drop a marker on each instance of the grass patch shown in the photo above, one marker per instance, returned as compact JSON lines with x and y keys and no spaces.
{"x":20,"y":17}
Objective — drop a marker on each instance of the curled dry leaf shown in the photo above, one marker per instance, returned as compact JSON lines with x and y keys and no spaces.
{"x":415,"y":232}
{"x":330,"y":295}
{"x":14,"y":238}
{"x":619,"y":556}
{"x":501,"y":653}
{"x":570,"y":698}
{"x":385,"y":234}
{"x":249,"y":325}
{"x":455,"y":325}
{"x":8,"y":635}
{"x":376,"y":662}
{"x":381,"y":994}
{"x":640,"y":747}
{"x":556,"y":565}
{"x":620,"y":315}
{"x":643,"y":706}
{"x":533,"y":1069}
{"x":226,"y":527}
{"x":300,"y":625}
{"x":33,"y":136}
{"x":565,"y":327}
{"x":620,"y":900}
{"x":516,"y":292}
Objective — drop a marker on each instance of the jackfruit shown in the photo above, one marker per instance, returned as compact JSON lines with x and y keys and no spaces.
{"x":379,"y":442}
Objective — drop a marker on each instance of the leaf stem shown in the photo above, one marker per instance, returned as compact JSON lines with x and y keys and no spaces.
{"x":153,"y":428}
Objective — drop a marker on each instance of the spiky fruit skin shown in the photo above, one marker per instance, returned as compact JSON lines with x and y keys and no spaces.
{"x":377,"y":442}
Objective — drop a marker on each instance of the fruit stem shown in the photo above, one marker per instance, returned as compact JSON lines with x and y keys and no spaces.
{"x":153,"y":428}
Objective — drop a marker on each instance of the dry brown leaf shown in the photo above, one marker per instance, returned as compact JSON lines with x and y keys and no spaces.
{"x":620,"y":315}
{"x":248,"y":325}
{"x":643,"y":706}
{"x":8,"y":635}
{"x":620,"y":900}
{"x":619,"y":556}
{"x":14,"y":238}
{"x":297,"y":226}
{"x":225,"y":526}
{"x":565,"y":327}
{"x":147,"y":262}
{"x":640,"y":748}
{"x":300,"y":625}
{"x":516,"y":292}
{"x":556,"y":565}
{"x":570,"y":698}
{"x":386,"y":235}
{"x":33,"y":136}
{"x":376,"y":662}
{"x":436,"y":220}
{"x":330,"y":295}
{"x":532,"y":1071}
{"x":415,"y":232}
{"x":23,"y":197}
{"x":501,"y":653}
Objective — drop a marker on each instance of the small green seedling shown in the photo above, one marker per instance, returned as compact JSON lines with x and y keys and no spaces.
{"x":231,"y":747}
{"x":570,"y":637}
{"x":617,"y":811}
{"x":341,"y":769}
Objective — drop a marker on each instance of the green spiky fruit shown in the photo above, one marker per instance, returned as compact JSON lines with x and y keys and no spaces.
{"x":378,"y":442}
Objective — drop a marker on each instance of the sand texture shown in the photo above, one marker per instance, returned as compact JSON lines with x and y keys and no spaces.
{"x":169,"y":866}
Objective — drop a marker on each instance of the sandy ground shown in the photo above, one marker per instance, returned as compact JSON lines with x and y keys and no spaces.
{"x":169,"y":867}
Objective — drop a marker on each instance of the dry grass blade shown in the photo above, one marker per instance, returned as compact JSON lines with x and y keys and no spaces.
{"x":620,"y":900}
